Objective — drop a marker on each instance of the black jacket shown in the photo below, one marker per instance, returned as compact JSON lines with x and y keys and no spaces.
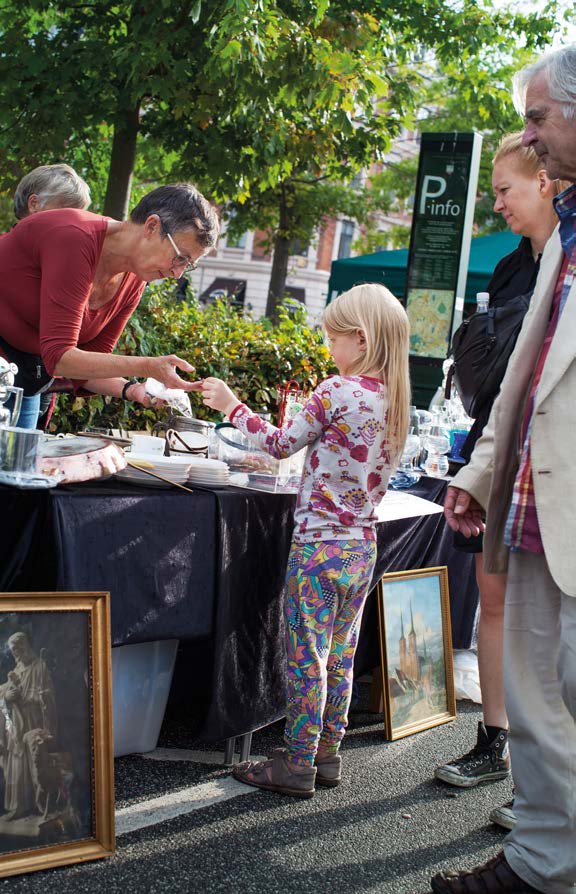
{"x":514,"y":275}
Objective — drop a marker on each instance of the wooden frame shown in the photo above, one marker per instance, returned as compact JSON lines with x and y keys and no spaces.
{"x":57,"y":755}
{"x":416,"y":650}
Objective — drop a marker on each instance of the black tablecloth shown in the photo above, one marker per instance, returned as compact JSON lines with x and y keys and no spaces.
{"x":154,"y":550}
{"x":208,"y":569}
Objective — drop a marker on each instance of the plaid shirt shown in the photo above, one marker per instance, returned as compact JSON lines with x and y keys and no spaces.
{"x":522,"y":529}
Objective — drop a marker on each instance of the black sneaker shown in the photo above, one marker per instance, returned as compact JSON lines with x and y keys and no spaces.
{"x":487,"y":762}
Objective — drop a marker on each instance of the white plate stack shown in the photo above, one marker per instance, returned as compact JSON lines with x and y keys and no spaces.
{"x":174,"y":468}
{"x":208,"y":473}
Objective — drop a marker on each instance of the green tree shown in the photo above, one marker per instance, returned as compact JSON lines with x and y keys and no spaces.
{"x":456,"y":96}
{"x":316,"y":91}
{"x":79,"y":81}
{"x":271,"y":104}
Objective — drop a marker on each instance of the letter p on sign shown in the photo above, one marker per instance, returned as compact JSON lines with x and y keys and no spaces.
{"x":428,"y":190}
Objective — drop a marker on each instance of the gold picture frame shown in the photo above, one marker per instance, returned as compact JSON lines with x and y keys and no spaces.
{"x":56,"y":742}
{"x":416,"y":651}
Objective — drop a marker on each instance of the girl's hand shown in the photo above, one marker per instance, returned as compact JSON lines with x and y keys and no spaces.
{"x":217,"y":395}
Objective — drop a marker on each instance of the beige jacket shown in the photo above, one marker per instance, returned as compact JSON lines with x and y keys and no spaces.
{"x":490,"y":475}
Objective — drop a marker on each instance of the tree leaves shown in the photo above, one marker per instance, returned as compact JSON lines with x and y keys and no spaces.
{"x":246,"y":97}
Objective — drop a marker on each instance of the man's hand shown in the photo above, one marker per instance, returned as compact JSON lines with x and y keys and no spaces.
{"x":463,"y":513}
{"x":217,"y":395}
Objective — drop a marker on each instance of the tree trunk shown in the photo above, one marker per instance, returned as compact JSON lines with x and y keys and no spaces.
{"x":279,"y":271}
{"x":122,"y":162}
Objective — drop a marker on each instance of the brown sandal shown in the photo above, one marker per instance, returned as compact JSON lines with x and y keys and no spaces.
{"x":494,"y":877}
{"x":329,"y":769}
{"x":277,"y":774}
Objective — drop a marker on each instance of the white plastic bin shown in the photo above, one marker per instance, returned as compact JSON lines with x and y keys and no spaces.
{"x":141,"y":680}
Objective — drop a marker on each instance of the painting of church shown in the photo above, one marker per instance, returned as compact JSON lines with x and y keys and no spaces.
{"x":414,"y":665}
{"x":414,"y":610}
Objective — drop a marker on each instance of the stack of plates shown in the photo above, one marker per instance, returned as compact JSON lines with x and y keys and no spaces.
{"x":208,"y":472}
{"x":174,"y":468}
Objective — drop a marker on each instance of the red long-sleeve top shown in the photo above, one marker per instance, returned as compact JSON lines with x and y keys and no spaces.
{"x":47,"y":267}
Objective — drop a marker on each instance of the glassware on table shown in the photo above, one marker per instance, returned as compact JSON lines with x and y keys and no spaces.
{"x":8,"y":390}
{"x":406,"y":475}
{"x":437,"y":445}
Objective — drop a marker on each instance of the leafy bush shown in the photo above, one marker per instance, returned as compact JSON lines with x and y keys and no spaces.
{"x":253,"y":356}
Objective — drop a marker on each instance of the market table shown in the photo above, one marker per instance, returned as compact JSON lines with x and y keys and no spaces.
{"x":206,"y":568}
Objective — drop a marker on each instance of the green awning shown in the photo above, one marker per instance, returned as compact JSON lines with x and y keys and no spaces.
{"x":389,"y":267}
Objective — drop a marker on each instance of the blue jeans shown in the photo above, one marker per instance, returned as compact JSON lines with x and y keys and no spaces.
{"x":29,"y":412}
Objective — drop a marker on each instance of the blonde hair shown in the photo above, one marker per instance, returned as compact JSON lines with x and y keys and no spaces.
{"x":525,"y":158}
{"x":378,"y":313}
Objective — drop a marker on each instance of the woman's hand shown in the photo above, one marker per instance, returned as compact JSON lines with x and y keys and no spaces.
{"x":137,"y":393}
{"x":217,"y":395}
{"x":164,"y":369}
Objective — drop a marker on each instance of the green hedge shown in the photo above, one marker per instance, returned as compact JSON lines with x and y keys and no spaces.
{"x":253,"y":356}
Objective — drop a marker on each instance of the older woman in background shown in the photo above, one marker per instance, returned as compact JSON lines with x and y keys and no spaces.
{"x":70,"y":280}
{"x":49,"y":187}
{"x":43,"y":189}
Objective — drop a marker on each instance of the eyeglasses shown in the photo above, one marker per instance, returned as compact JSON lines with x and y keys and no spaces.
{"x":180,"y":260}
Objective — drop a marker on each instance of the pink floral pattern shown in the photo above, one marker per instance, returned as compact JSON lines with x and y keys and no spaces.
{"x":346,"y":472}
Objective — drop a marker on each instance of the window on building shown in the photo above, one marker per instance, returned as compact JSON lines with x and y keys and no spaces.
{"x":299,"y":247}
{"x":346,"y":237}
{"x":239,"y":242}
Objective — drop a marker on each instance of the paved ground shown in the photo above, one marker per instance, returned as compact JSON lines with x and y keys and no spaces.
{"x":387,"y":828}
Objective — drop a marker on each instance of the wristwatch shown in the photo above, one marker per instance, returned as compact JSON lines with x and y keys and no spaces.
{"x":128,"y":385}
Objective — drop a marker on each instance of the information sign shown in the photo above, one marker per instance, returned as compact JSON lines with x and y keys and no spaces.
{"x":440,"y":239}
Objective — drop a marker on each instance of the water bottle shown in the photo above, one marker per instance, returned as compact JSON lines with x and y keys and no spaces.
{"x":482,"y":301}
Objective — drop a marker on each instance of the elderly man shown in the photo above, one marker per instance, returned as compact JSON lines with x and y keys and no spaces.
{"x":522,"y":474}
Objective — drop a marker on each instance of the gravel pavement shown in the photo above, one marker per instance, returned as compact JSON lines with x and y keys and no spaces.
{"x":387,"y":828}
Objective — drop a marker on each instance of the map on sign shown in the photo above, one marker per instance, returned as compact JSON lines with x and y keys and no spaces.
{"x":430,"y":315}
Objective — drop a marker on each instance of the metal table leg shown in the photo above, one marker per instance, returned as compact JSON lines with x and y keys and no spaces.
{"x":245,"y":743}
{"x":229,"y":752}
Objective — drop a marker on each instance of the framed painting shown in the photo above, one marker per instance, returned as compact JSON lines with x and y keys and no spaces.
{"x":56,"y":743}
{"x":416,"y":650}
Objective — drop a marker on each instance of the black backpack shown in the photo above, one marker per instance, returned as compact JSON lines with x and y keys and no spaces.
{"x":481,"y":348}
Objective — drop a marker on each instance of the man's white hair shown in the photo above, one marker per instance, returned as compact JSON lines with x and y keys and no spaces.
{"x":559,"y":68}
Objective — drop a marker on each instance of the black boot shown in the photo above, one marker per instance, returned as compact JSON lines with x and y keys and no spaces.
{"x":488,"y":761}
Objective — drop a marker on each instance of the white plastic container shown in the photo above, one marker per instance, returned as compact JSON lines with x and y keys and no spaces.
{"x":141,"y":680}
{"x":482,"y":302}
{"x":254,"y":468}
{"x":144,"y":443}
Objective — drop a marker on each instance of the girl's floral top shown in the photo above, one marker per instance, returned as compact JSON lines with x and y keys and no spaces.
{"x":347,"y":466}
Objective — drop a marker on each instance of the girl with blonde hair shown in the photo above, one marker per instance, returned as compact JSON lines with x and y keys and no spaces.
{"x":354,"y":426}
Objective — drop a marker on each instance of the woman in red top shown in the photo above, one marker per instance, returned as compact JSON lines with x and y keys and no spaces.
{"x":70,"y":280}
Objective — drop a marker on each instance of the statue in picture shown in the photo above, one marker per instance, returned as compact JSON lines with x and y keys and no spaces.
{"x":28,"y":730}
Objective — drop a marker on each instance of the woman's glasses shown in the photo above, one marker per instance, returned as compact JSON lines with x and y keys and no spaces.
{"x":180,"y":260}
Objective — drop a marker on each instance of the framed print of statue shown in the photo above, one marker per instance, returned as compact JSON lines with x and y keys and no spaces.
{"x":56,"y":745}
{"x":416,"y":650}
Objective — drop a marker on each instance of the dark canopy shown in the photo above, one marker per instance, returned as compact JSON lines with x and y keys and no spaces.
{"x":389,"y":267}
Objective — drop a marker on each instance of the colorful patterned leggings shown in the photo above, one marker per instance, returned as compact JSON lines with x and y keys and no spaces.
{"x":327,"y":584}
